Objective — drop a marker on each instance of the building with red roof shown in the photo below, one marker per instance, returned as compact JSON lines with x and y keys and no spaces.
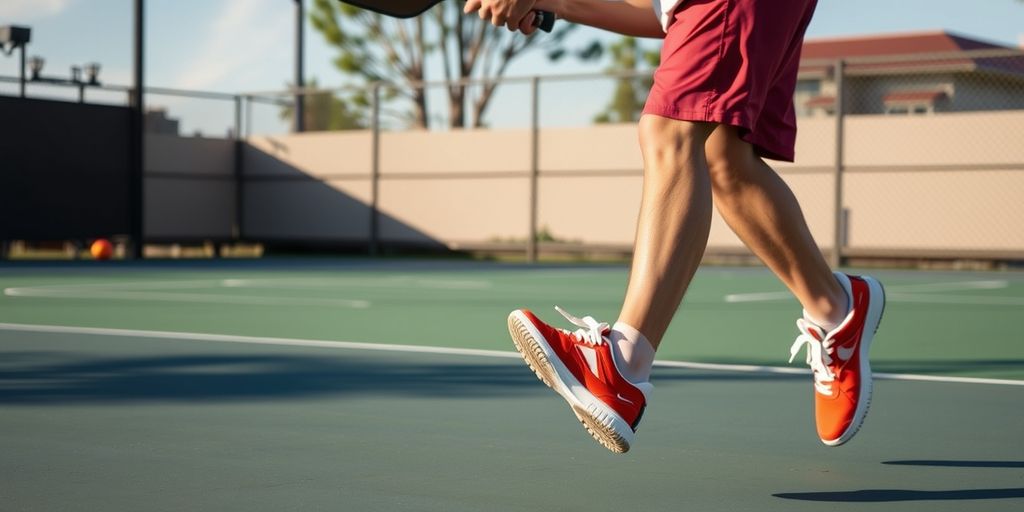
{"x":911,"y":73}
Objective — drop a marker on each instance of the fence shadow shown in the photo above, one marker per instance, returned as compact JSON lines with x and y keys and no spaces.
{"x":285,"y":204}
{"x":32,"y":378}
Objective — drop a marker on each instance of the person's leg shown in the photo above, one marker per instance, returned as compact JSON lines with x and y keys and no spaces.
{"x":841,"y":312}
{"x":762,"y":211}
{"x":673,"y":224}
{"x":603,"y":372}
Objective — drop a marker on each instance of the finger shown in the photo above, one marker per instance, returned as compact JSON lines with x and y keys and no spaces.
{"x":472,"y":6}
{"x":484,"y":12}
{"x":514,"y":19}
{"x":498,"y":19}
{"x":519,"y":11}
{"x":527,"y":25}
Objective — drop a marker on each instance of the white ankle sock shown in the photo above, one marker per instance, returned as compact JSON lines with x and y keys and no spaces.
{"x":633,"y":353}
{"x":828,"y":327}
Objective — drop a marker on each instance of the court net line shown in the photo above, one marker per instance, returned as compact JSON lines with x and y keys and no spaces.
{"x":391,"y":347}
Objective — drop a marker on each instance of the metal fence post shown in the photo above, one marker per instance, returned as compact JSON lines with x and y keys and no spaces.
{"x":236,"y":226}
{"x":375,"y":170}
{"x":839,"y":226}
{"x":531,"y":242}
{"x":248,"y":116}
{"x":21,"y":80}
{"x":136,"y":177}
{"x":300,"y":74}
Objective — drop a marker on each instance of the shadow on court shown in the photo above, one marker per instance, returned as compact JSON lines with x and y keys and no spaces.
{"x":890,"y":495}
{"x":70,"y":377}
{"x":958,"y":463}
{"x":887,"y":495}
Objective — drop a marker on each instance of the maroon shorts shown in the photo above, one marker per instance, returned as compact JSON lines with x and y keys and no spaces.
{"x":734,"y":62}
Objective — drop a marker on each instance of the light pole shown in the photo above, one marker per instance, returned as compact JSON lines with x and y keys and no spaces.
{"x":13,"y":37}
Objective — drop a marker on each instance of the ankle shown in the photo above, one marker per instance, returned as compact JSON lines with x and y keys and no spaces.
{"x":829,"y":311}
{"x":634,"y":354}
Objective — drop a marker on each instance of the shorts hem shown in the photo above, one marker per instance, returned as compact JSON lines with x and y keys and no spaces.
{"x":737,"y":119}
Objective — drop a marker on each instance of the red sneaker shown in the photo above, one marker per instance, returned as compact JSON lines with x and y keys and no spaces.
{"x":839,"y":361}
{"x":580,"y":366}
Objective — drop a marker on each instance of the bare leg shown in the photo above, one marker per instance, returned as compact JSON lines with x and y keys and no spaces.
{"x":675,"y":218}
{"x":762,"y":211}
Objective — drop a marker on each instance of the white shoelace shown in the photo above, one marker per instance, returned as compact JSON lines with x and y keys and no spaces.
{"x":819,"y":354}
{"x":590,"y":330}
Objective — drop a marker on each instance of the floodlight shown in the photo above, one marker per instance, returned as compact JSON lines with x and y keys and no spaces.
{"x":92,"y":73}
{"x":12,"y":37}
{"x":36,"y":64}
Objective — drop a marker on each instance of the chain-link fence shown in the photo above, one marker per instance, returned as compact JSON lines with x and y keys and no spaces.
{"x":922,"y":153}
{"x":914,"y":156}
{"x":931,"y":155}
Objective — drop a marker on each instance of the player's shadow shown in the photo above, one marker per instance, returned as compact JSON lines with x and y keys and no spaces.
{"x":891,"y":495}
{"x":888,"y":495}
{"x":958,"y":463}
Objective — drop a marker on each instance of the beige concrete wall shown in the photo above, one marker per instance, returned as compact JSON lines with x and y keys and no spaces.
{"x":189,"y":189}
{"x":313,"y":186}
{"x":472,"y":186}
{"x":973,"y":210}
{"x":454,"y":187}
{"x":940,"y":139}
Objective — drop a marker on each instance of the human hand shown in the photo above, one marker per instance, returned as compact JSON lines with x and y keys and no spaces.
{"x":513,"y":14}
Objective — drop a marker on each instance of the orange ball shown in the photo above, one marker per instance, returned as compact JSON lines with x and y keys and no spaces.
{"x":102,"y":249}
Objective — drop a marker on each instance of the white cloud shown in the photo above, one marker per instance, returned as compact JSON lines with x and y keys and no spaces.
{"x":19,"y":11}
{"x":240,"y":44}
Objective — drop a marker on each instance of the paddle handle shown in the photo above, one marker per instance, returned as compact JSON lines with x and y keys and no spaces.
{"x":545,"y":20}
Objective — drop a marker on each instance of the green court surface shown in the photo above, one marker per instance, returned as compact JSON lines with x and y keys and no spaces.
{"x":319,"y":385}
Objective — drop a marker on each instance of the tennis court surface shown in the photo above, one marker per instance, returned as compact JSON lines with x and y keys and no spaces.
{"x":392,"y":385}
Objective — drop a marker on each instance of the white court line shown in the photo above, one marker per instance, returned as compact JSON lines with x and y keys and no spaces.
{"x":389,"y":347}
{"x":992,"y":284}
{"x":252,"y":340}
{"x":113,"y":294}
{"x":383,"y":282}
{"x":899,"y":294}
{"x":131,"y":285}
{"x":956,"y":299}
{"x":757,"y":297}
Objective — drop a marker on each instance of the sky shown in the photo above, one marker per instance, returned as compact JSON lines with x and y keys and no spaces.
{"x":246,"y":45}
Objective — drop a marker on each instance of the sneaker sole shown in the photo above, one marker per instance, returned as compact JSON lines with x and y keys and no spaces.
{"x":875,"y":312}
{"x":603,"y":423}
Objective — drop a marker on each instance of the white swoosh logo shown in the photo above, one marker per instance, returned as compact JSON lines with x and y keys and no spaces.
{"x":590,"y":356}
{"x":624,"y":399}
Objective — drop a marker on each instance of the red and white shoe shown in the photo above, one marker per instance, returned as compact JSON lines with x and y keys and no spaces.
{"x":839,"y":361}
{"x":581,"y":367}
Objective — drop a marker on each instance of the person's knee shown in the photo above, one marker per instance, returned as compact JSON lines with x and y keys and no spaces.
{"x":669,"y":144}
{"x":730,"y":163}
{"x":726,"y":175}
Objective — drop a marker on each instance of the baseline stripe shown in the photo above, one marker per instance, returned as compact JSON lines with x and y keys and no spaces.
{"x":252,"y":340}
{"x":390,"y":347}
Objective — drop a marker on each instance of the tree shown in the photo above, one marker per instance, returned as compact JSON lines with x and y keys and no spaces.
{"x":375,"y":48}
{"x":627,"y":100}
{"x":325,"y":112}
